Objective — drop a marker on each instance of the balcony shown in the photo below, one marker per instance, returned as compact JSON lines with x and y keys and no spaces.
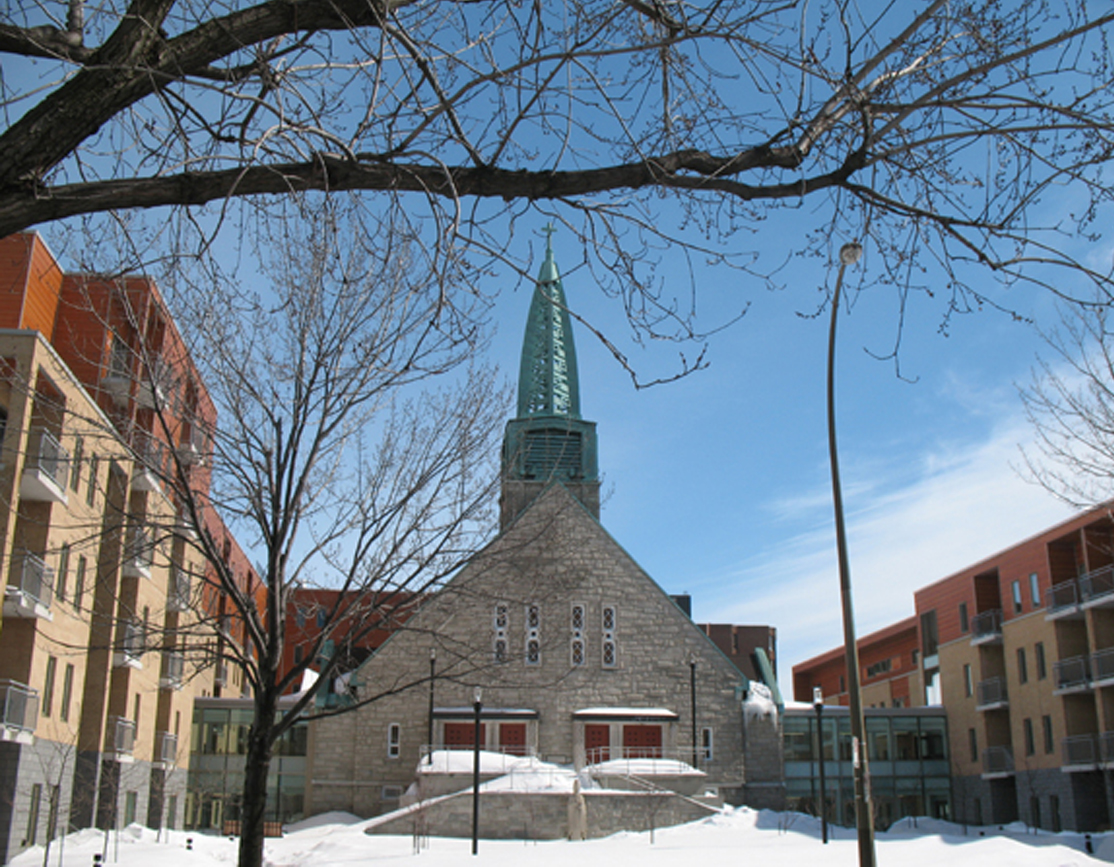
{"x":192,"y":451}
{"x":1097,"y":588}
{"x":154,"y":384}
{"x":1102,"y":667}
{"x":168,"y":749}
{"x":45,"y":470}
{"x":121,"y":738}
{"x":173,"y":666}
{"x":1080,"y":753}
{"x":1063,"y":602}
{"x":1106,"y":749}
{"x":19,"y":712}
{"x":150,"y":462}
{"x":138,"y":553}
{"x":31,"y":587}
{"x":220,"y":673}
{"x":997,"y":762}
{"x":1072,"y":675}
{"x":986,"y":627}
{"x":992,"y":694}
{"x":183,"y":526}
{"x":129,"y":653}
{"x":178,"y":599}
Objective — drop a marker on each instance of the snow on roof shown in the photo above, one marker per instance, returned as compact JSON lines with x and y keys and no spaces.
{"x":627,"y":712}
{"x":469,"y":711}
{"x":460,"y":762}
{"x":647,"y":768}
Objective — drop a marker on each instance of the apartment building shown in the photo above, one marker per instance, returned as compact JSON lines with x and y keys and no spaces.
{"x":1019,"y":650}
{"x":103,"y":640}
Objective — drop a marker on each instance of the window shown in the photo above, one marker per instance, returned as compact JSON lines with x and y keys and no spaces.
{"x":916,"y":657}
{"x":842,"y":684}
{"x":33,"y":814}
{"x":706,"y":743}
{"x":1022,"y":666}
{"x":79,"y":583}
{"x":48,"y":686}
{"x":299,"y":654}
{"x":577,"y":619}
{"x":973,"y":743}
{"x":880,"y":667}
{"x":394,"y":740}
{"x":1049,"y":743}
{"x":1054,"y":809}
{"x":577,"y":653}
{"x":1034,"y":811}
{"x":137,"y":707}
{"x":91,"y":494}
{"x":300,"y":616}
{"x":968,"y":681}
{"x":1015,"y":590}
{"x":964,"y":625}
{"x":131,"y":803}
{"x":1030,"y":743}
{"x":172,"y":812}
{"x":609,"y":620}
{"x":1034,"y":589}
{"x":322,"y":617}
{"x":499,"y":626}
{"x":63,"y":573}
{"x":533,"y":634}
{"x":75,"y":463}
{"x":67,"y":693}
{"x":1042,"y":666}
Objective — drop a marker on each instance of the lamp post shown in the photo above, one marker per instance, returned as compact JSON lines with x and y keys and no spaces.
{"x":818,"y":703}
{"x":692,"y":690}
{"x":477,"y":706}
{"x":432,"y":675}
{"x":864,"y":820}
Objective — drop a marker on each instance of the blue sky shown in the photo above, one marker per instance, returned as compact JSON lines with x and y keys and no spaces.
{"x":718,"y":484}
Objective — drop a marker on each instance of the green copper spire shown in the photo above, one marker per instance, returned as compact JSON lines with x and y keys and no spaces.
{"x":547,"y":378}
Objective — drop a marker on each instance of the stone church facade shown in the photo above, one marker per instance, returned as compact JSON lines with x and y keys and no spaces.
{"x":578,"y":655}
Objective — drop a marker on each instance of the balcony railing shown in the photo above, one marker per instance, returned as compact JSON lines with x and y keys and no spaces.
{"x":1102,"y":665}
{"x":154,"y":383}
{"x":139,"y":552}
{"x":179,"y":597}
{"x":122,"y":733}
{"x":173,"y":667}
{"x":30,"y":587}
{"x":992,"y":694}
{"x":1081,"y":751}
{"x":150,"y":461}
{"x":130,"y":651}
{"x":986,"y":626}
{"x":19,"y":709}
{"x":1072,"y":674}
{"x":997,"y":760}
{"x":1106,"y":747}
{"x":1097,"y":587}
{"x":168,"y":748}
{"x":1063,"y":598}
{"x":220,"y":674}
{"x":46,"y":469}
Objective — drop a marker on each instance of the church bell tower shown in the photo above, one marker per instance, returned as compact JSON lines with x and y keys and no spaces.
{"x":547,"y":441}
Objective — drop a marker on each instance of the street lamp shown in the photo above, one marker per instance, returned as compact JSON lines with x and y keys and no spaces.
{"x":692,"y":690}
{"x":432,"y":675}
{"x":477,"y":706}
{"x":818,"y":703}
{"x":848,"y":255}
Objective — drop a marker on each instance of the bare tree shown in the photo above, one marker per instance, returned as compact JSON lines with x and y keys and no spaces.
{"x":328,"y":460}
{"x":959,"y":140}
{"x":1070,"y":403}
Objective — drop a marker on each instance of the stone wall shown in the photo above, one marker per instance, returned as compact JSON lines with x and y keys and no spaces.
{"x":542,"y":815}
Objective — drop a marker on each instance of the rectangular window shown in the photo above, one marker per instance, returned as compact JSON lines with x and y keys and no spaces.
{"x":67,"y":693}
{"x":48,"y":686}
{"x":533,"y":634}
{"x":1030,"y":742}
{"x":1022,"y":666}
{"x":929,"y":638}
{"x":1034,"y":589}
{"x":973,"y":743}
{"x":91,"y":494}
{"x":75,"y":463}
{"x":1042,"y":666}
{"x":79,"y":582}
{"x":1049,"y":743}
{"x":964,"y":626}
{"x":172,"y":812}
{"x":609,"y":622}
{"x":63,"y":573}
{"x":968,"y":681}
{"x":131,"y":803}
{"x":1015,"y":590}
{"x":33,"y":814}
{"x":138,"y":705}
{"x":394,"y":740}
{"x":706,"y":743}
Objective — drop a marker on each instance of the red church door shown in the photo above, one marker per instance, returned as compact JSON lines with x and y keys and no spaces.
{"x":642,"y":742}
{"x":597,"y":743}
{"x":459,"y":734}
{"x":512,"y":738}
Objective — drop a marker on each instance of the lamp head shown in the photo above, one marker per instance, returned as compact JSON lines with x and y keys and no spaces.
{"x":850,"y":253}
{"x":817,"y":697}
{"x":478,"y":695}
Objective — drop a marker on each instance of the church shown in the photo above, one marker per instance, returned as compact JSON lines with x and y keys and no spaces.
{"x":572,"y":652}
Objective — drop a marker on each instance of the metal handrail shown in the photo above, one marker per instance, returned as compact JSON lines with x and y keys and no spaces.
{"x":36,"y":579}
{"x":987,"y":623}
{"x":1071,"y":672}
{"x":48,"y":455}
{"x":997,"y":760}
{"x":1080,"y":750}
{"x":993,"y":691}
{"x":19,"y":706}
{"x":1063,"y":595}
{"x":1102,"y":664}
{"x":123,"y":735}
{"x":1097,"y":583}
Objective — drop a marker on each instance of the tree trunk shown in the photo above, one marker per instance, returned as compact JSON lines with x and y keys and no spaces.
{"x":253,"y":807}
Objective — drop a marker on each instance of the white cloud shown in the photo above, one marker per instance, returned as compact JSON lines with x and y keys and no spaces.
{"x":965,"y":502}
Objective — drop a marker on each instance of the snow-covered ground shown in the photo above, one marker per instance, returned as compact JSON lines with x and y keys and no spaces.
{"x":740,"y":836}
